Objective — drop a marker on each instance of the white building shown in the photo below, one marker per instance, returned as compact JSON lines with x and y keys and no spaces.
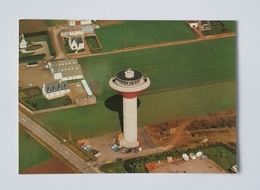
{"x":78,"y":22}
{"x":55,"y":90}
{"x":76,"y":42}
{"x":22,"y":42}
{"x":203,"y":25}
{"x":65,"y":69}
{"x":193,"y":23}
{"x":71,"y":31}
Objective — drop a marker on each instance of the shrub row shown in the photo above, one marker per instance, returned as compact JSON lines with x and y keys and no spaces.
{"x":32,"y":58}
{"x":35,"y":34}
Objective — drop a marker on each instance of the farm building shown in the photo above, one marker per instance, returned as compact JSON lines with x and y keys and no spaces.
{"x":88,"y":29}
{"x":76,"y":43}
{"x":201,"y":24}
{"x":193,"y":23}
{"x":22,"y":42}
{"x":65,"y":69}
{"x":55,"y":90}
{"x":78,"y":22}
{"x":71,"y":31}
{"x":204,"y":25}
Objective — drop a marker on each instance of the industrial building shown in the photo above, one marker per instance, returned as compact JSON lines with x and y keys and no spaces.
{"x":65,"y":69}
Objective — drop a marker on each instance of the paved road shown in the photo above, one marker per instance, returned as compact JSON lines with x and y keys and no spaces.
{"x":83,"y":166}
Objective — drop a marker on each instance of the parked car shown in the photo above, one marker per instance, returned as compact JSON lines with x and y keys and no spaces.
{"x":185,"y":157}
{"x":192,"y":156}
{"x":98,"y":154}
{"x":123,"y":151}
{"x":128,"y":151}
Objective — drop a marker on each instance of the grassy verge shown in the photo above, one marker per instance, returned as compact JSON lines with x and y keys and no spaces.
{"x":117,"y":167}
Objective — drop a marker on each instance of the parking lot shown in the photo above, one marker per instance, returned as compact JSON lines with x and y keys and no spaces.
{"x":102,"y":143}
{"x":34,"y":75}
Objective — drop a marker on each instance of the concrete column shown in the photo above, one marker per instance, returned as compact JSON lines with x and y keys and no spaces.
{"x":130,"y":119}
{"x":129,"y":138}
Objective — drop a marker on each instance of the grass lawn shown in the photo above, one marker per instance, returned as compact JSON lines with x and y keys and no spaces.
{"x":40,"y":102}
{"x":223,"y":157}
{"x":117,"y":167}
{"x":92,"y":41}
{"x":216,"y":27}
{"x":186,"y":80}
{"x":230,"y":24}
{"x":30,"y":152}
{"x":136,"y":33}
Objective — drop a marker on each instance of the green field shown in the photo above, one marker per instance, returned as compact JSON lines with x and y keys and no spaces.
{"x":167,"y":67}
{"x":136,"y":33}
{"x":186,"y":80}
{"x":30,"y":152}
{"x":223,"y":157}
{"x":230,"y":24}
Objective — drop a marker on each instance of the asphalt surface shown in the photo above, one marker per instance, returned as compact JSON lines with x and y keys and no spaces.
{"x":83,"y":166}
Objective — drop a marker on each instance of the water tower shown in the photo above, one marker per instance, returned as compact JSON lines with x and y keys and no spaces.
{"x":129,"y":83}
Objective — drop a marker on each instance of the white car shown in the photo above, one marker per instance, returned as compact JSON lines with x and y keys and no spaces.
{"x":199,"y":154}
{"x":192,"y":156}
{"x":185,"y":157}
{"x":98,"y":154}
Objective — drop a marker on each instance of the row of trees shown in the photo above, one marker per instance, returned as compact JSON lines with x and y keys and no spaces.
{"x":216,"y":122}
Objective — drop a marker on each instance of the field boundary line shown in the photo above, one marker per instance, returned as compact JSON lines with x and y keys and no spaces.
{"x":212,"y":37}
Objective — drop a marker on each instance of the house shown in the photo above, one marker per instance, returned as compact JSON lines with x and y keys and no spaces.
{"x":65,"y":69}
{"x":193,"y":23}
{"x":55,"y":90}
{"x":204,"y":25}
{"x":78,"y":22}
{"x":22,"y":42}
{"x":76,"y":43}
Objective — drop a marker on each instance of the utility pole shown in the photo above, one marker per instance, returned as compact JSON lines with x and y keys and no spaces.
{"x":69,"y":134}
